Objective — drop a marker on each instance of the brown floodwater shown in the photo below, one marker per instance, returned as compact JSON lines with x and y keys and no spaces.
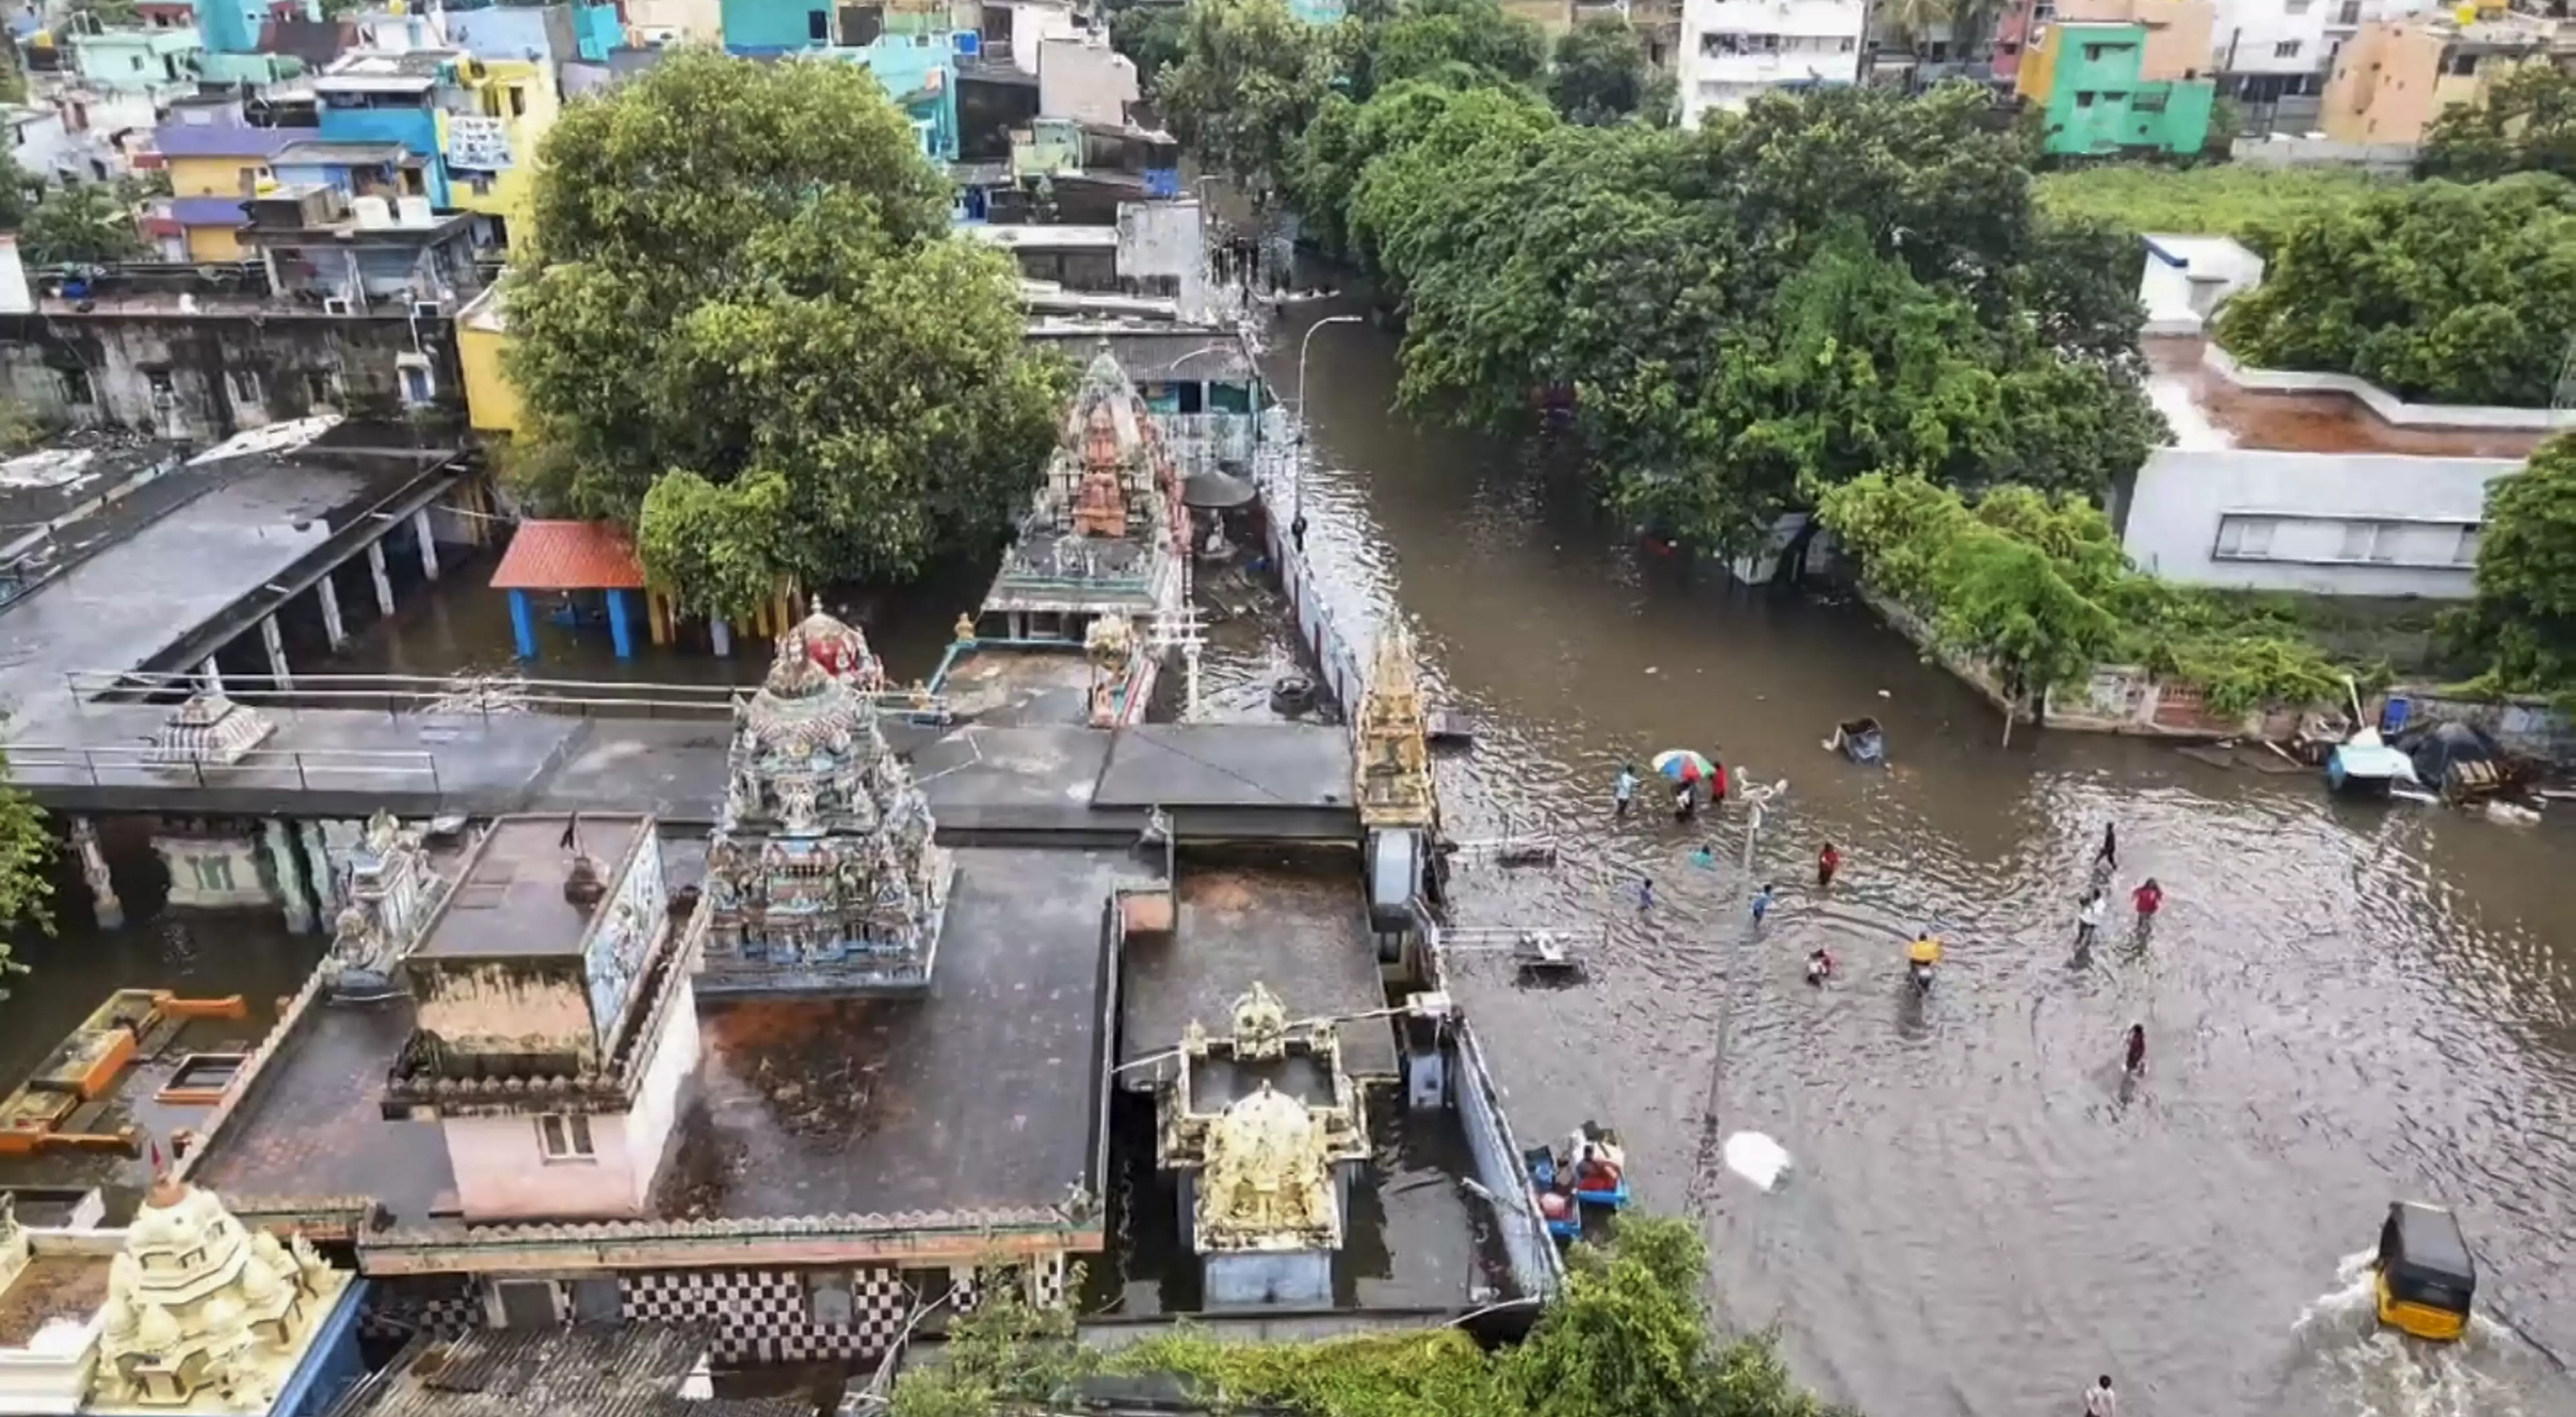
{"x":2345,"y":1005}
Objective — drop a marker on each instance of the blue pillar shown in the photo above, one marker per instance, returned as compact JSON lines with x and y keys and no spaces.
{"x":522,"y":625}
{"x":617,"y":626}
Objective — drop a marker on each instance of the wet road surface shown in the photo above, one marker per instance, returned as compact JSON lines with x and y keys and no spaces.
{"x":2344,"y":1005}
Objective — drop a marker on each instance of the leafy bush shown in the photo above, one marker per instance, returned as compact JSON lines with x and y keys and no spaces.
{"x":2220,"y":200}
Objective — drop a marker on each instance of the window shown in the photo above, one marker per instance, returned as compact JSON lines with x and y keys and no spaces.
{"x":518,"y":101}
{"x":75,"y":386}
{"x":818,"y":25}
{"x":2084,"y":99}
{"x":2286,"y":49}
{"x":564,"y":1136}
{"x":594,"y":1301}
{"x":827,"y":1297}
{"x":2350,"y":14}
{"x":418,"y":388}
{"x":318,"y":387}
{"x":162,"y":391}
{"x":2147,"y":103}
{"x":2462,"y":65}
{"x":2464,"y":552}
{"x":2296,"y":7}
{"x":138,"y":63}
{"x":2245,"y":538}
{"x":2358,"y":539}
{"x":214,"y":873}
{"x":479,"y":183}
{"x":245,"y":386}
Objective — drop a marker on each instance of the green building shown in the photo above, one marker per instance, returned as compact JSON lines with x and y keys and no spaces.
{"x":2085,"y":77}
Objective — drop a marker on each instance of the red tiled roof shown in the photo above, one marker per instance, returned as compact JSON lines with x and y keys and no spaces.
{"x":569,"y":556}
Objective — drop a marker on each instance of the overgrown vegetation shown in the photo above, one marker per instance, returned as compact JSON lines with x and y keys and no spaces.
{"x":2435,"y":291}
{"x":2037,"y":587}
{"x":2526,"y":124}
{"x":2219,"y":199}
{"x":1730,"y":320}
{"x":26,"y":861}
{"x":744,"y":328}
{"x":2523,"y":621}
{"x":1629,"y":1338}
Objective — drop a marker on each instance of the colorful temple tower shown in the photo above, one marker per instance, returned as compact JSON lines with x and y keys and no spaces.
{"x":1103,"y":550}
{"x":822,"y":877}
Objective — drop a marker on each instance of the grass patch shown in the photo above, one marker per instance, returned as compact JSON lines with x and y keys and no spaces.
{"x":2226,"y":199}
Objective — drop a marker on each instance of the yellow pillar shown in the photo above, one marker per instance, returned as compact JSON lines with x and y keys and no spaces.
{"x":657,"y":615}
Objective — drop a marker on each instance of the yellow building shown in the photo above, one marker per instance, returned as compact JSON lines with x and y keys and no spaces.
{"x":491,"y":148}
{"x":206,"y":193}
{"x":491,"y":404}
{"x":2396,"y":76}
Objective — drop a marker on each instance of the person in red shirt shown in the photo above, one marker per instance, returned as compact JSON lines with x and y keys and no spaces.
{"x":1828,"y":861}
{"x":2150,"y":898}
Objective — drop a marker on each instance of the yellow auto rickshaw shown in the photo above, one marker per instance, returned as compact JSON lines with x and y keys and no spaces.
{"x":2426,"y":1277}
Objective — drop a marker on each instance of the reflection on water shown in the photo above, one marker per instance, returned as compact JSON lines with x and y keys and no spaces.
{"x":2344,"y":1004}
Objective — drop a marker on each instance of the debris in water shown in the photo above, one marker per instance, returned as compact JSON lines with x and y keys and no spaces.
{"x":1756,"y":1158}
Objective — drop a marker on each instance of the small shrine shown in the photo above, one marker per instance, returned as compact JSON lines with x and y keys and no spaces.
{"x":392,"y":892}
{"x":209,"y":729}
{"x":839,"y":650}
{"x":1265,"y":1130}
{"x":822,"y":874}
{"x":1395,"y":784}
{"x":185,"y":1311}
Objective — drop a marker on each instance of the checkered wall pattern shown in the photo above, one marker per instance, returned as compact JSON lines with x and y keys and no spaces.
{"x":767,"y":1316}
{"x":446,"y":1305}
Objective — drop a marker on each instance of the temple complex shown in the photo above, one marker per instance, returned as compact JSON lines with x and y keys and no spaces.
{"x":185,"y":1311}
{"x":821,"y":877}
{"x":1264,"y":1129}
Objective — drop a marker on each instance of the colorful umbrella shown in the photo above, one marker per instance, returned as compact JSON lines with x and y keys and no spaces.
{"x":1683,"y":765}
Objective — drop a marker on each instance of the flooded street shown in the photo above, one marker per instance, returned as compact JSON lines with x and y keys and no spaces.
{"x":2344,"y":1005}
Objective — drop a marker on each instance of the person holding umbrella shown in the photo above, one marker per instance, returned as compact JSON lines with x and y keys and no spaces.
{"x":1687,"y":770}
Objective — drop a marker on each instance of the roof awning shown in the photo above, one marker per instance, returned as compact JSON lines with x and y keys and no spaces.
{"x":555,"y":555}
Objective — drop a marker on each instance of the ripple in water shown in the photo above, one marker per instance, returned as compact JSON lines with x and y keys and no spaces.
{"x":2344,"y":1364}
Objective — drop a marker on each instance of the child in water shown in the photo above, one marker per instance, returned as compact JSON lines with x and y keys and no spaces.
{"x":2137,"y":1059}
{"x":1761,"y":903}
{"x":1705,"y":857}
{"x":1820,"y":966}
{"x":1828,"y":861}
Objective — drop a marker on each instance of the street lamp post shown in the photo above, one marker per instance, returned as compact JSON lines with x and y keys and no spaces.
{"x":1756,"y":798}
{"x":1297,"y":518}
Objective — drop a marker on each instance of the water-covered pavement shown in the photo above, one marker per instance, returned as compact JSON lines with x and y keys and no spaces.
{"x":2343,"y":1005}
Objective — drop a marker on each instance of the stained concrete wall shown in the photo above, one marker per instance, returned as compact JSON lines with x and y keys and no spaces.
{"x":220,"y":373}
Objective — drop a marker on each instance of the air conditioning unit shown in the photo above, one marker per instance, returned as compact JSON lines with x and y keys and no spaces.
{"x":427,"y":310}
{"x":335,"y":305}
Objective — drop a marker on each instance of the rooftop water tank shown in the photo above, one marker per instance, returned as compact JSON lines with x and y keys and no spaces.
{"x":374,"y":213}
{"x":414,"y":211}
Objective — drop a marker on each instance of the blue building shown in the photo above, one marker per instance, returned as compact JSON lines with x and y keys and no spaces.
{"x":374,"y":97}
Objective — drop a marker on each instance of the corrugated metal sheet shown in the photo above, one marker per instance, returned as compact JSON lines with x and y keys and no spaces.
{"x":604,"y":1370}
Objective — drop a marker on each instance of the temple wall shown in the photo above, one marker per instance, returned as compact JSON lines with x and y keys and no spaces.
{"x":502,"y":1175}
{"x":657,"y":1100}
{"x":503,"y":1007}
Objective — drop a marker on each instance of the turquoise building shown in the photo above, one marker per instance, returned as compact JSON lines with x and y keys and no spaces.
{"x":2085,"y":76}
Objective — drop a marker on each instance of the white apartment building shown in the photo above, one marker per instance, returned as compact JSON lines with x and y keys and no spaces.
{"x":2268,"y":50}
{"x":1734,"y":49}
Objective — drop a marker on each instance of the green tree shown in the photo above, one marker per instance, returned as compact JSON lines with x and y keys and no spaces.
{"x":2524,"y":616}
{"x":2526,"y":124}
{"x":744,"y":272}
{"x":1600,"y":74}
{"x":2457,"y":294}
{"x":80,"y":225}
{"x":18,"y":194}
{"x":26,"y":853}
{"x":1153,"y":36}
{"x":1462,"y":43}
{"x":2012,"y":606}
{"x":1250,"y":78}
{"x":719,"y":546}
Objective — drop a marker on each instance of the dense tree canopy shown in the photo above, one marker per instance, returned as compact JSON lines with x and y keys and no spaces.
{"x":1250,"y":78}
{"x":1152,"y":36}
{"x":1601,"y":73}
{"x":85,"y":224}
{"x":2524,"y":617}
{"x":1833,"y":284}
{"x":2527,"y":123}
{"x":2436,"y":291}
{"x":744,"y":328}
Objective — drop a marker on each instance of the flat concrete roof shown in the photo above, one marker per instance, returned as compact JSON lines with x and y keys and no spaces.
{"x":1228,"y":765}
{"x":985,"y":1093}
{"x":131,"y":1101}
{"x":249,"y":520}
{"x":312,"y":1125}
{"x":1300,"y":928}
{"x":510,"y":900}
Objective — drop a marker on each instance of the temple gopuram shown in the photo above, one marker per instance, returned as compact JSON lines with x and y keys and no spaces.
{"x":1395,"y":789}
{"x":1102,"y":553}
{"x":822,"y":877}
{"x":1264,"y":1129}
